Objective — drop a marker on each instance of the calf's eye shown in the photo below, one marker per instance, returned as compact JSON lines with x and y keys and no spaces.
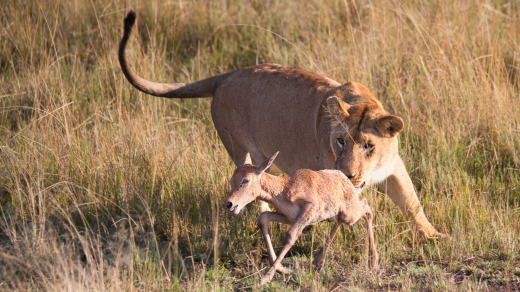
{"x":244,"y":182}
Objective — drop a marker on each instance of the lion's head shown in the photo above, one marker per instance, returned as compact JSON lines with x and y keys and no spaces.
{"x":363,"y":136}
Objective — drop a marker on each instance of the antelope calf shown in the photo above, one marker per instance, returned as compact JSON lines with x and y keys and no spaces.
{"x":304,"y":199}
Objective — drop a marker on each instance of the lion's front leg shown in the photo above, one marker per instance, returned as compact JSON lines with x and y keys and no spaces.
{"x":400,"y":189}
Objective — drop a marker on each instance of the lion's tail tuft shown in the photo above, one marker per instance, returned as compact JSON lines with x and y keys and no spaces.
{"x":129,"y":22}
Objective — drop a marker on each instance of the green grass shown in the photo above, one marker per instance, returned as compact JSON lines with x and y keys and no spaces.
{"x":104,"y":188}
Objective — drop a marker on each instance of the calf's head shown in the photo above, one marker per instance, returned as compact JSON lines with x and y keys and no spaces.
{"x":245,"y":184}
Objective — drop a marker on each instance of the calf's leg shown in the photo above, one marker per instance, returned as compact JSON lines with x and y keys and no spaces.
{"x":320,"y":256}
{"x":290,"y":238}
{"x":362,"y":209}
{"x":262,"y":221}
{"x":372,"y":251}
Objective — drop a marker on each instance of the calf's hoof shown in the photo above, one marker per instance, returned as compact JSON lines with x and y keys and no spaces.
{"x":428,"y":232}
{"x":319,"y":258}
{"x":283,"y":270}
{"x":266,"y":279}
{"x":269,"y":275}
{"x":373,"y":264}
{"x":318,"y":262}
{"x":373,"y":261}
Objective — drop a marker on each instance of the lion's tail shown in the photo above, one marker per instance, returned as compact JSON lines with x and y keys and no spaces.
{"x":202,"y":88}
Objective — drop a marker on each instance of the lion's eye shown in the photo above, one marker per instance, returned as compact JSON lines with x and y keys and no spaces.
{"x":341,"y":142}
{"x":368,"y":147}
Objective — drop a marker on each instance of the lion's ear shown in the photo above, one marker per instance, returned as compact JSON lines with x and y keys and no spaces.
{"x":337,"y":107}
{"x":389,"y":126}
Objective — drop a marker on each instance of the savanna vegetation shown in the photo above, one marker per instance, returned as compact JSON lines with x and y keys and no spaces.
{"x":103,"y":188}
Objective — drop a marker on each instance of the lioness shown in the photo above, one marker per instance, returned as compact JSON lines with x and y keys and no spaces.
{"x":315,"y":123}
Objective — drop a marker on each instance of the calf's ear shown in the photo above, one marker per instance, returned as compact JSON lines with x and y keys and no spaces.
{"x":247,"y":159}
{"x":389,"y":126}
{"x":266,"y":164}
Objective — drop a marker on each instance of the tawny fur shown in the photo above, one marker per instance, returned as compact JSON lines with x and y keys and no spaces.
{"x":316,"y":123}
{"x":304,"y":199}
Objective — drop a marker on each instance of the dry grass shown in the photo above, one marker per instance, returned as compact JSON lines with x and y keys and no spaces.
{"x":104,"y":188}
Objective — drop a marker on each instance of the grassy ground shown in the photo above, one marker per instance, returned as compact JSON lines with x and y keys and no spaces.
{"x":103,"y":188}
